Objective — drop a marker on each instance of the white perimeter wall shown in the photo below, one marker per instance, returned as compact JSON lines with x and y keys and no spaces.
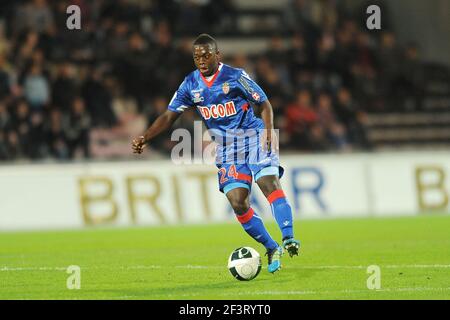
{"x":151,"y":193}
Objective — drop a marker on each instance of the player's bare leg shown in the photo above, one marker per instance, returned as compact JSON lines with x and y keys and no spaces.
{"x":271,"y":187}
{"x":239,"y":200}
{"x":254,"y":226}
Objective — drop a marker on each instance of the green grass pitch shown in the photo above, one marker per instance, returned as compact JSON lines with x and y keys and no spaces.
{"x":190,"y":262}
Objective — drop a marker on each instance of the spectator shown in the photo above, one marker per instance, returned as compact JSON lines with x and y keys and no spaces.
{"x":15,"y":150}
{"x":334,"y":130}
{"x":317,"y":139}
{"x":225,"y":9}
{"x":5,"y":119}
{"x":135,"y":69}
{"x":164,"y":56}
{"x":277,"y":51}
{"x":22,"y":125}
{"x":5,"y":79}
{"x":323,"y":72}
{"x":324,"y":58}
{"x":300,"y":117}
{"x":36,"y":147}
{"x":389,"y":57}
{"x":118,"y":42}
{"x":56,"y":137}
{"x":97,"y":94}
{"x":270,"y":79}
{"x":64,"y":87}
{"x":410,"y":83}
{"x":36,"y":88}
{"x":190,"y":17}
{"x":35,"y":15}
{"x":28,"y":42}
{"x":353,"y":118}
{"x":4,"y":154}
{"x":77,"y":125}
{"x":299,"y":55}
{"x":5,"y":44}
{"x":298,"y":16}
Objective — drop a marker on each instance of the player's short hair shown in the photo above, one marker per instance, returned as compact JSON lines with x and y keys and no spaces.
{"x":205,"y":38}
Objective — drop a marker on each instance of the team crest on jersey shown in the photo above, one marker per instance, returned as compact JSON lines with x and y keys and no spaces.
{"x":255,"y":96}
{"x":226,"y":88}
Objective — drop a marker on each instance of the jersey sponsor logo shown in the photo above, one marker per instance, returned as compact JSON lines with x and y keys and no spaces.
{"x":197,"y":96}
{"x":218,"y":111}
{"x":226,"y":88}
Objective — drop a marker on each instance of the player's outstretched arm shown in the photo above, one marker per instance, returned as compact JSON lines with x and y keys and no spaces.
{"x":161,"y":124}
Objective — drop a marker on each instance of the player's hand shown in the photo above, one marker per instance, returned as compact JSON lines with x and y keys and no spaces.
{"x":269,"y":141}
{"x":138,"y":145}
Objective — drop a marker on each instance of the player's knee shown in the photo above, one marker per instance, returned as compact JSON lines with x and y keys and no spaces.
{"x":239,"y":200}
{"x":269,"y":184}
{"x":240,"y":206}
{"x":269,"y":188}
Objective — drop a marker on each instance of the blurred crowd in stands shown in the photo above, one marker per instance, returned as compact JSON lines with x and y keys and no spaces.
{"x":77,"y":93}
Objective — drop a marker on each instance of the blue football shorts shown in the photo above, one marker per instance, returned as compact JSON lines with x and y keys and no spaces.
{"x":240,"y":165}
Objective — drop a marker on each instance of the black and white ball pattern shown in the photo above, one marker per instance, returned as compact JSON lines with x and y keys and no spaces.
{"x":244,"y":263}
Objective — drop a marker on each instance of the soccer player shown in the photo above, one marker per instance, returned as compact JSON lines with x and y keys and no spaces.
{"x":222,"y":95}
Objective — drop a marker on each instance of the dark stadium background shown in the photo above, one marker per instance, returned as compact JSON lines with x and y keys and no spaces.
{"x":364,"y":123}
{"x":335,"y":85}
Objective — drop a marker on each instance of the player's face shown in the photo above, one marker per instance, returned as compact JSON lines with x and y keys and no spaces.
{"x":206,"y":59}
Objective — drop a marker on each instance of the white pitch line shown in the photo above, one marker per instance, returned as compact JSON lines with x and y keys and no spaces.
{"x":412,"y":266}
{"x":141,"y":267}
{"x":303,"y":292}
{"x":33,"y":268}
{"x":306,"y":292}
{"x":418,"y":266}
{"x":389,"y":266}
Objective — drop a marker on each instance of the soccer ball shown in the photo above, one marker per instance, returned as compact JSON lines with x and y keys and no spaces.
{"x":244,"y":263}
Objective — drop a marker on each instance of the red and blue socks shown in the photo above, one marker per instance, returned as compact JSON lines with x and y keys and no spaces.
{"x":282,"y":212}
{"x":254,"y":226}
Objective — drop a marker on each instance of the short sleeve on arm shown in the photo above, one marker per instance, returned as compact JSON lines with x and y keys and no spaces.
{"x":181,"y":99}
{"x":251,"y":90}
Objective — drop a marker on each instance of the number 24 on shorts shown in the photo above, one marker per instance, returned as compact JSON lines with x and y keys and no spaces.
{"x":232,"y":173}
